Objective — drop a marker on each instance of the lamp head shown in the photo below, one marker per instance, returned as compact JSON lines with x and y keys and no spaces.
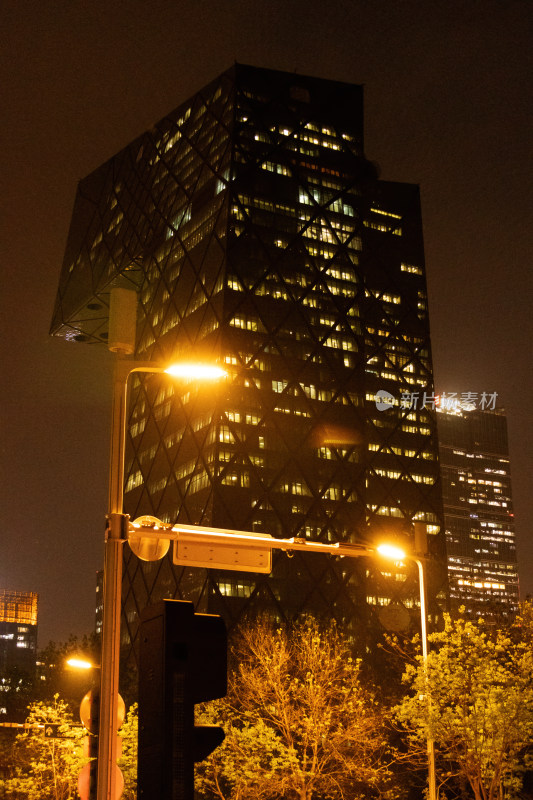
{"x":80,"y":663}
{"x":391,"y":551}
{"x":200,"y":371}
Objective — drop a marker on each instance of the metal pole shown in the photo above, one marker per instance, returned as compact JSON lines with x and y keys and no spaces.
{"x":432,"y":778}
{"x":115,"y":537}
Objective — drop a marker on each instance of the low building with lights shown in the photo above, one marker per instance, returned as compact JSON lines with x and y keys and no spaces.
{"x":478,"y":511}
{"x":18,"y":642}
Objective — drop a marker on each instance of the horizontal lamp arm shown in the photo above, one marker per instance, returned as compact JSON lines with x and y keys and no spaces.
{"x":244,"y":539}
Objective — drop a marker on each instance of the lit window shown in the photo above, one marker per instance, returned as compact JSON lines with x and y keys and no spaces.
{"x":225,"y":435}
{"x":411,"y":268}
{"x":134,"y":480}
{"x":385,"y":213}
{"x":241,"y":479}
{"x":198,"y":482}
{"x":325,"y":452}
{"x":245,"y":323}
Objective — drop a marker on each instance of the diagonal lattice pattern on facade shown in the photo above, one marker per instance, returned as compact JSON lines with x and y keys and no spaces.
{"x":257,"y":234}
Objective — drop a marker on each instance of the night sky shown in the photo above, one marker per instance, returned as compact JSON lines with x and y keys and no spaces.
{"x":448,"y":98}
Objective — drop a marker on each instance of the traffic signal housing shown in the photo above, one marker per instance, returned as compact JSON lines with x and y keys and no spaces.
{"x":182,"y":661}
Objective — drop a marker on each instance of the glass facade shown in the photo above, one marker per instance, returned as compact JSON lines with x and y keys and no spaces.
{"x":258,"y":235}
{"x":478,"y":512}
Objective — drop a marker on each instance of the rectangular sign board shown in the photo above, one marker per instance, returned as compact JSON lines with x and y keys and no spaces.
{"x":199,"y":550}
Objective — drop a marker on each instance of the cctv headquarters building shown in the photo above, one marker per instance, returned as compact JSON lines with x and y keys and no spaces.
{"x":258,"y":236}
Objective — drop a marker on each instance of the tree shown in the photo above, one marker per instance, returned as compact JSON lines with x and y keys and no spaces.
{"x":128,"y":761}
{"x":247,"y":764}
{"x":299,"y":724}
{"x":475,"y":700}
{"x":43,"y":768}
{"x":46,"y":768}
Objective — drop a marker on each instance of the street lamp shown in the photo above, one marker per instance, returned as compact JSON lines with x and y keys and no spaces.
{"x":391,"y":551}
{"x":81,"y":663}
{"x":197,"y":546}
{"x":116,"y":535}
{"x":240,"y":550}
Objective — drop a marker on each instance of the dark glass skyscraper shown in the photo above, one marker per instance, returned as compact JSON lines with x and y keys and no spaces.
{"x":478,"y":511}
{"x":257,"y":234}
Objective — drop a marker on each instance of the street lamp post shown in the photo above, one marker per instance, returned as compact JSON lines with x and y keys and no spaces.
{"x":421,"y":561}
{"x":419,"y":557}
{"x":112,"y":588}
{"x":199,"y":546}
{"x":432,"y":776}
{"x":116,"y":535}
{"x":246,"y":551}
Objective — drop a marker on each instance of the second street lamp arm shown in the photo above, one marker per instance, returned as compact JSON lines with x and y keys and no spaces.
{"x":206,"y":540}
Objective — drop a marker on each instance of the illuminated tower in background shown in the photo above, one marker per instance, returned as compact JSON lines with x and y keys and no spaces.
{"x":18,"y":648}
{"x":257,"y":234}
{"x":478,"y":511}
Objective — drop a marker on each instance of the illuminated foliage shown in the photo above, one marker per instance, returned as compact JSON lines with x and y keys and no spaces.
{"x":43,"y":767}
{"x":477,"y":704}
{"x":128,"y":761}
{"x":298,"y":722}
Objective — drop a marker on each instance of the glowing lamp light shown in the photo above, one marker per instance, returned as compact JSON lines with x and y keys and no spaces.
{"x":80,"y":663}
{"x":391,"y":551}
{"x":201,"y":371}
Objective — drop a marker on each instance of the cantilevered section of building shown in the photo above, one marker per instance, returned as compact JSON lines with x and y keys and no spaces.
{"x":478,"y":511}
{"x":257,"y":233}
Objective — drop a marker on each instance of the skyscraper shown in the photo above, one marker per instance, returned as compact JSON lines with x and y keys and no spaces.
{"x":478,"y":511}
{"x":18,"y":644}
{"x":258,"y":234}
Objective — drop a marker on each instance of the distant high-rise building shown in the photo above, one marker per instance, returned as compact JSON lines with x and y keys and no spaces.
{"x":18,"y":641}
{"x":257,"y":234}
{"x":478,"y":511}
